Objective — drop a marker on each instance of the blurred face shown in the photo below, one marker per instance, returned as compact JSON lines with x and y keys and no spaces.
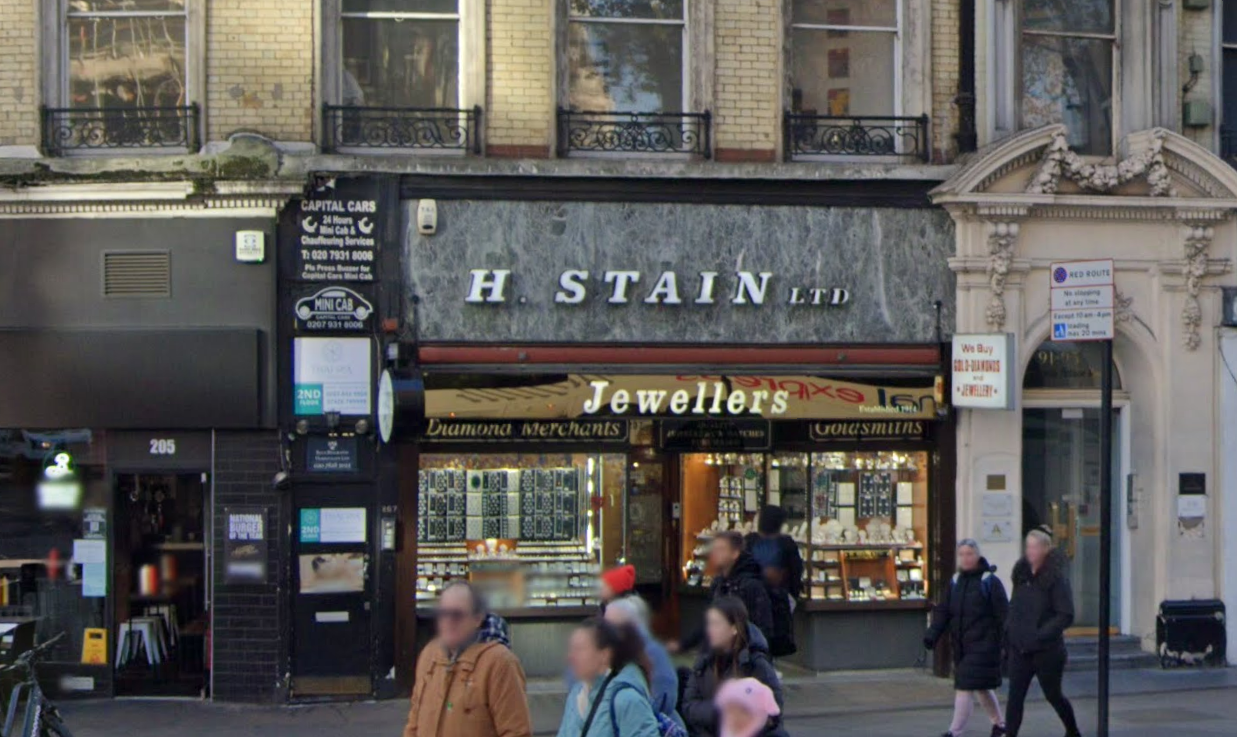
{"x":719,"y":631}
{"x":739,"y":722}
{"x":584,"y":659}
{"x":722,"y":556}
{"x":604,"y":592}
{"x":457,"y":623}
{"x":1036,"y":551}
{"x":968,"y":558}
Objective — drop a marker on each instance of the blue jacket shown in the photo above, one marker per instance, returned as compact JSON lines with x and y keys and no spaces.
{"x":625,"y":710}
{"x":665,"y":686}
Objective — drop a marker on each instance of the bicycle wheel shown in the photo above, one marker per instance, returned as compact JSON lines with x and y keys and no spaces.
{"x":52,"y":726}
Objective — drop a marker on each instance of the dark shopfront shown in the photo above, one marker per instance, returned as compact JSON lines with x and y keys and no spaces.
{"x":750,"y":349}
{"x":137,"y":417}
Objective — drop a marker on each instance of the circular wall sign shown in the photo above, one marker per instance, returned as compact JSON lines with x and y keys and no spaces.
{"x":386,"y":406}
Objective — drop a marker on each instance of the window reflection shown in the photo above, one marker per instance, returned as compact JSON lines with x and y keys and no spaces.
{"x":1068,"y":77}
{"x":126,"y":54}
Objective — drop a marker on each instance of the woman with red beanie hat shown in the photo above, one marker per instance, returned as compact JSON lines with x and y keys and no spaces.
{"x":617,"y":582}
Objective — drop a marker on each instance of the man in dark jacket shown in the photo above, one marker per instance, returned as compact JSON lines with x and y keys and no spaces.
{"x":1040,"y":610}
{"x":737,"y":574}
{"x":782,"y":565}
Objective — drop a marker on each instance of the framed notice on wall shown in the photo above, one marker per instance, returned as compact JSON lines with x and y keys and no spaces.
{"x":332,"y":375}
{"x":983,"y":371}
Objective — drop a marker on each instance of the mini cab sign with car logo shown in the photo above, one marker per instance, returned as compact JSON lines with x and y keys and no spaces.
{"x":333,"y":308}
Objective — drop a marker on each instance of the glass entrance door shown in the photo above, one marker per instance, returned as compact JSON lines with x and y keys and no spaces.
{"x":1061,"y":489}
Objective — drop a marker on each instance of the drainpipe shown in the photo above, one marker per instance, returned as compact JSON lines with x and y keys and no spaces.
{"x":967,"y":136}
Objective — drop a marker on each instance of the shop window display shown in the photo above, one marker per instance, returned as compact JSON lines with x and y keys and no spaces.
{"x":860,"y":518}
{"x":526,"y":527}
{"x":41,"y":584}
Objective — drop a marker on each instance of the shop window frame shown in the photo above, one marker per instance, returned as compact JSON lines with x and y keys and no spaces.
{"x":446,"y":130}
{"x":70,"y":131}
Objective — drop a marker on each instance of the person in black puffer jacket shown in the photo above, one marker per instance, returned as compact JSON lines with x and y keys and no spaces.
{"x":972,"y":612}
{"x":1041,"y":609}
{"x":735,"y":649}
{"x":738,"y":575}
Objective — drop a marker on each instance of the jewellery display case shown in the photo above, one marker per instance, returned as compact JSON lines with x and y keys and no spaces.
{"x":524,"y":527}
{"x":860,"y":518}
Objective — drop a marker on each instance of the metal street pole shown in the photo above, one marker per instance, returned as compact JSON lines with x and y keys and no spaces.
{"x":1105,"y":533}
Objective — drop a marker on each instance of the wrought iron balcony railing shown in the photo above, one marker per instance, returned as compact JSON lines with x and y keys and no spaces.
{"x":1228,"y":144}
{"x":635,"y":133}
{"x":67,"y":130}
{"x":808,"y":136}
{"x":348,"y":128}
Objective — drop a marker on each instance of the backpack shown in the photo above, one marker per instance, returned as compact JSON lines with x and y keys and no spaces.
{"x":666,"y":727}
{"x":985,"y":583}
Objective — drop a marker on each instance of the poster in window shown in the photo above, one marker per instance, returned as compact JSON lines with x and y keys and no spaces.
{"x":839,"y":102}
{"x":839,"y":63}
{"x":246,"y":545}
{"x":332,"y":573}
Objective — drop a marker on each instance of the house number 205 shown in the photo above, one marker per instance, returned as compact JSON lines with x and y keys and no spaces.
{"x":163,"y":446}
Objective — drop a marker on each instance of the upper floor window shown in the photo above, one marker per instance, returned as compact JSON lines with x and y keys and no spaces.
{"x":398,"y":74}
{"x":847,"y":62}
{"x":119,"y":74}
{"x":400,"y":53}
{"x":1228,"y":51}
{"x":846,"y":57}
{"x":625,"y":73}
{"x":627,"y":55}
{"x":1067,"y":60}
{"x":126,"y":53}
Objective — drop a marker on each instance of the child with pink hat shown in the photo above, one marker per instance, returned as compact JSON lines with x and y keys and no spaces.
{"x":748,"y":709}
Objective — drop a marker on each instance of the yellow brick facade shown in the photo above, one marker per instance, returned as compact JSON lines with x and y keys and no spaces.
{"x":945,"y":78}
{"x":19,"y":74}
{"x":520,"y":90}
{"x":748,"y":78}
{"x":260,"y":68}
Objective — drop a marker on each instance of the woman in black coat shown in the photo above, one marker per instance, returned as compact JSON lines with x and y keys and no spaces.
{"x":972,"y":612}
{"x":735,"y":649}
{"x":1041,"y":609}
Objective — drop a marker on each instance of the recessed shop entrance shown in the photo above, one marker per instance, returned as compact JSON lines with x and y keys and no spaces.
{"x":160,"y":576}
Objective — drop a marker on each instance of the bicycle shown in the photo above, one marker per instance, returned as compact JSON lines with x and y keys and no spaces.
{"x":41,"y":718}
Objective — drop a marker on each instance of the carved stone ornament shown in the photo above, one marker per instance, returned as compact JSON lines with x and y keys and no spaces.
{"x":1001,"y":240}
{"x":1197,"y":241}
{"x":1060,"y":162}
{"x":1123,"y":311}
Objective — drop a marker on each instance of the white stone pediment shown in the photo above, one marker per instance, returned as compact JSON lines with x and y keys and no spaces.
{"x":1036,"y":170}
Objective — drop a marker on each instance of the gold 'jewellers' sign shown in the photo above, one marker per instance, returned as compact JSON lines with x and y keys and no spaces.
{"x":672,"y":396}
{"x":868,"y":430}
{"x":504,"y":431}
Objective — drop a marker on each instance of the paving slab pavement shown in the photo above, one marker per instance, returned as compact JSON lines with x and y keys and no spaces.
{"x":1185,"y":703}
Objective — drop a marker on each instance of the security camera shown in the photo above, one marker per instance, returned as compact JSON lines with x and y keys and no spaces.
{"x":282,"y":481}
